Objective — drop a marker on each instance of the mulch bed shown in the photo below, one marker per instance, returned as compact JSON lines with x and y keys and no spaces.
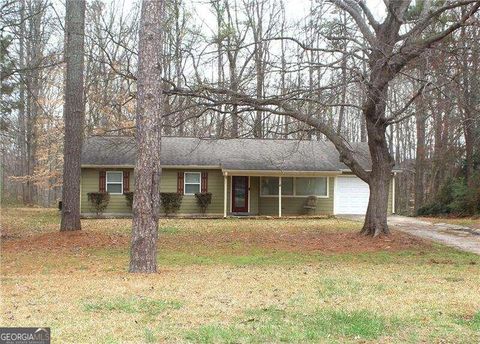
{"x":291,"y":241}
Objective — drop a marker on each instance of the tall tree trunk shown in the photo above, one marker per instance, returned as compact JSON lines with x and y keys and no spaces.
{"x":468,"y":119}
{"x":234,"y":131}
{"x":420,"y":117}
{"x":74,"y":114}
{"x":468,"y":108}
{"x":382,"y":162}
{"x":34,"y":49}
{"x":257,"y":29}
{"x":220,"y":116}
{"x":343,"y":68}
{"x":439,"y":118}
{"x":146,"y":202}
{"x":283,"y":71}
{"x":21,"y":107}
{"x":343,"y":95}
{"x":379,"y":181}
{"x":420,"y":162}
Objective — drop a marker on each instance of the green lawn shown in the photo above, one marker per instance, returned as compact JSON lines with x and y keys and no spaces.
{"x":236,"y":281}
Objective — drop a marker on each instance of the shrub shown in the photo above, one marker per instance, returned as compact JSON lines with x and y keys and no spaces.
{"x":473,"y":194}
{"x":129,"y":196}
{"x":459,"y":203}
{"x":171,"y":202}
{"x":434,"y":208}
{"x":455,"y":197}
{"x":203,"y":200}
{"x":445,"y":194}
{"x":99,"y":200}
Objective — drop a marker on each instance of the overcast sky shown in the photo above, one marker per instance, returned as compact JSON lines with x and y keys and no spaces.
{"x":295,"y":9}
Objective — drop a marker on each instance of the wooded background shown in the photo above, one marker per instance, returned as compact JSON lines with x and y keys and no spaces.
{"x":310,"y":53}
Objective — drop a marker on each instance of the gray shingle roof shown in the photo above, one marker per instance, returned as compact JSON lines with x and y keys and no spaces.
{"x":229,"y":154}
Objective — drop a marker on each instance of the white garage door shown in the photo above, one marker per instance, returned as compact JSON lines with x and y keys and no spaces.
{"x":351,"y":196}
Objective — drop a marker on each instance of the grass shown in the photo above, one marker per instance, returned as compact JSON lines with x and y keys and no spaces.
{"x":474,"y":322}
{"x":130,"y":305}
{"x":235,"y":281}
{"x":473,"y":222}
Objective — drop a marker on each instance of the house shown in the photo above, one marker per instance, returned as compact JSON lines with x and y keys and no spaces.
{"x":245,"y":176}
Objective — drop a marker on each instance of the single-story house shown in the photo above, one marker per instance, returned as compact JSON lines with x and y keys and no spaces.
{"x":245,"y":176}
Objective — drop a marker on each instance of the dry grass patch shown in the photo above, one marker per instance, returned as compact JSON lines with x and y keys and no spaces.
{"x":472,"y":222}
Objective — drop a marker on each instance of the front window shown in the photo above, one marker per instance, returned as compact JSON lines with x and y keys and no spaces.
{"x":316,"y":186}
{"x":114,"y":182}
{"x":269,"y":186}
{"x":295,"y":187}
{"x":192,"y":183}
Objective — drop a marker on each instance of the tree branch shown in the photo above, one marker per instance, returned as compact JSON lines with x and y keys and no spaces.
{"x":355,"y":13}
{"x":278,"y":105}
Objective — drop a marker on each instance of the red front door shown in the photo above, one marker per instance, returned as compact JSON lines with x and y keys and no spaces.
{"x":239,"y":194}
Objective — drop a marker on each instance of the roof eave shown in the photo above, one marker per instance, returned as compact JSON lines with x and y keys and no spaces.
{"x":279,"y":173}
{"x":347,"y":170}
{"x":106,"y":166}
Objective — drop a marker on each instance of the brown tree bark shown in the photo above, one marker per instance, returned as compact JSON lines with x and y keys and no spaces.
{"x":74,"y":114}
{"x":382,"y":162}
{"x":21,"y":107}
{"x":146,"y":201}
{"x":468,"y":108}
{"x":259,"y":57}
{"x":420,"y":117}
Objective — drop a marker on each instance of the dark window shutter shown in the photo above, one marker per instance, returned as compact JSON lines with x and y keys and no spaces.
{"x":180,"y":183}
{"x":102,"y":181}
{"x":126,"y":181}
{"x":204,"y":181}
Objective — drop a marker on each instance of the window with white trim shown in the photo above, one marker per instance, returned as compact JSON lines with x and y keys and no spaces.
{"x":192,"y":183}
{"x":295,"y":186}
{"x":114,"y":182}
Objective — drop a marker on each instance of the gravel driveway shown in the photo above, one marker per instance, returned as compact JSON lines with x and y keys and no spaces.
{"x":464,"y":238}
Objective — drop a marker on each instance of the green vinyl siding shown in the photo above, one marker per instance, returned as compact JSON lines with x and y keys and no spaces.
{"x":90,"y":183}
{"x":294,"y":205}
{"x":254,"y":194}
{"x":189,"y":205}
{"x":259,"y":205}
{"x":168,"y":183}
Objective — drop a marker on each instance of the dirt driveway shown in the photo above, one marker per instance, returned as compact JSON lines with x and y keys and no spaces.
{"x":464,"y":238}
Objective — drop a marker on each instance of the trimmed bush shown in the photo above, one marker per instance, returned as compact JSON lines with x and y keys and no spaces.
{"x":99,"y":200}
{"x":129,"y":196}
{"x":203,"y":200}
{"x":171,"y":202}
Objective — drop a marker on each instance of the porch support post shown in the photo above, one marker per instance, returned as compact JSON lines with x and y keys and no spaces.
{"x":279,"y":196}
{"x":225,"y":182}
{"x":393,"y":193}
